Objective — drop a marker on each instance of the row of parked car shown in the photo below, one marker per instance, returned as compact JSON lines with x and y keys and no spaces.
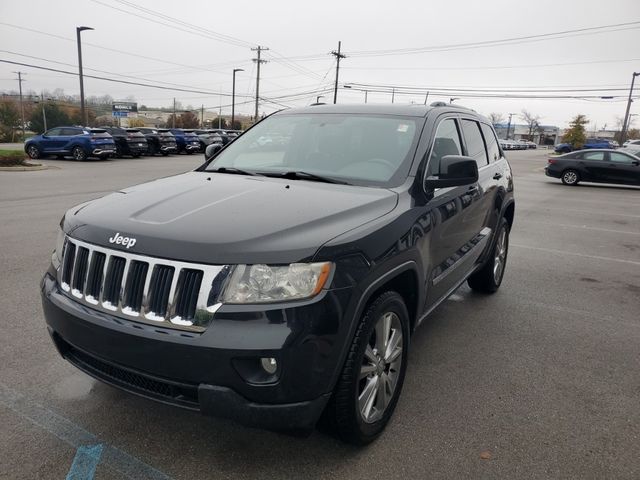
{"x":516,"y":144}
{"x":589,"y":144}
{"x":103,"y":142}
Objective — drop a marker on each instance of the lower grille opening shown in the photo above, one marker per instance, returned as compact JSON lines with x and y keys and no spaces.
{"x":182,"y":395}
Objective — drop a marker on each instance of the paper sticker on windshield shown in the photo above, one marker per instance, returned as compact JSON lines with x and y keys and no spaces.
{"x":403,"y":127}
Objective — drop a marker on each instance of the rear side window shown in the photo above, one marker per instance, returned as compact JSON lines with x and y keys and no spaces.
{"x":71,"y":131}
{"x":593,"y":156}
{"x":620,"y":158}
{"x":492,"y":143}
{"x":475,"y":143}
{"x":446,"y":142}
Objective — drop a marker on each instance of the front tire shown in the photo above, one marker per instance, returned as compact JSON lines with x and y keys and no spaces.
{"x":489,"y":278}
{"x":371,"y":380}
{"x":33,"y":152}
{"x":570,"y":177}
{"x":79,"y":154}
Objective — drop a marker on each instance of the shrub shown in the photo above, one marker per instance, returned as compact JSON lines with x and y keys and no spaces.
{"x":10,"y":158}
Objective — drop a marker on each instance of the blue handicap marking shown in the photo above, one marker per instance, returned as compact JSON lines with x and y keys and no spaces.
{"x":85,"y":462}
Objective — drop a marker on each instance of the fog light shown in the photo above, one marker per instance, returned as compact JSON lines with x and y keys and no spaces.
{"x":269,"y":364}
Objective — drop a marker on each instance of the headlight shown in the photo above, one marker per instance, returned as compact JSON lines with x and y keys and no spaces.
{"x":265,"y":284}
{"x":56,"y":256}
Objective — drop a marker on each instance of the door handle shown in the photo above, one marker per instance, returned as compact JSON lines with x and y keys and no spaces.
{"x":497,"y":176}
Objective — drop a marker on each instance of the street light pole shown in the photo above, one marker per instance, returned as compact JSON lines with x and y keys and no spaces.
{"x":233,"y":96}
{"x":625,"y":125}
{"x":83,"y":113}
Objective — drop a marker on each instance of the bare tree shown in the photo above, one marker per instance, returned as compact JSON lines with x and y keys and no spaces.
{"x":532,"y":121}
{"x":496,"y":118}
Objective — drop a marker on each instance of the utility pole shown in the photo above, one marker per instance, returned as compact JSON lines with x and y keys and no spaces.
{"x":258,"y":61}
{"x":393,"y":94}
{"x":174,"y":112}
{"x":426,"y":97}
{"x":366,"y":94}
{"x":509,"y":125}
{"x":625,"y":124}
{"x":338,"y":56}
{"x":83,"y":113}
{"x":20,"y":80}
{"x":44,"y":115}
{"x":202,"y":116}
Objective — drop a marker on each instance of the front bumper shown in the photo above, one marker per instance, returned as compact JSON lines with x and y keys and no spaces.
{"x":211,"y":372}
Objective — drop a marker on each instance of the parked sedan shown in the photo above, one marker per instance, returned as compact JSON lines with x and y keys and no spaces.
{"x":79,"y":142}
{"x":602,"y":166}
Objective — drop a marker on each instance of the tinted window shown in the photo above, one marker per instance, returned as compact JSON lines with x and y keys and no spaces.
{"x":492,"y":143}
{"x":475,"y":144}
{"x":446,"y":142}
{"x":592,"y":156}
{"x":620,"y":157}
{"x":53,"y":132}
{"x":70,"y":131}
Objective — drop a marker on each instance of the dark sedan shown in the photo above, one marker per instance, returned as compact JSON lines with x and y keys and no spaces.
{"x":602,"y":166}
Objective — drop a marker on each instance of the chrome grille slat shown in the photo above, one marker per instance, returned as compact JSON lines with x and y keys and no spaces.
{"x":122,"y":284}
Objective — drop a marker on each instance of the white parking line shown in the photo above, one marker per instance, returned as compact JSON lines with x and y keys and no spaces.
{"x":583,"y":227}
{"x":574,"y":254}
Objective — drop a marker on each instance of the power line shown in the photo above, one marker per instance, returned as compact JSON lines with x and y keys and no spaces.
{"x":97,"y":70}
{"x":500,"y":67}
{"x":175,"y":89}
{"x":500,"y":42}
{"x":192,"y":28}
{"x":122,"y":52}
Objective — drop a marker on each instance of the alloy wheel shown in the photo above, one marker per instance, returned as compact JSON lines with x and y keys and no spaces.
{"x":500,"y":256}
{"x":570,"y":177}
{"x":380,"y":369}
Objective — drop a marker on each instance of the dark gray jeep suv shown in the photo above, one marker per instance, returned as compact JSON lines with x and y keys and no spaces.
{"x":280,"y":282}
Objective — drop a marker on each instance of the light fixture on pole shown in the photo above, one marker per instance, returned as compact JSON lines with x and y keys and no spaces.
{"x":233,"y":96}
{"x":83,"y":113}
{"x":453,"y":99}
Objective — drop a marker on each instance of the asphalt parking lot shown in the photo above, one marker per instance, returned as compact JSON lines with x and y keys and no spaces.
{"x":540,"y":380}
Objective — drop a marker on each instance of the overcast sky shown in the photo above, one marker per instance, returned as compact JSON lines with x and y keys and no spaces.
{"x":216,"y":37}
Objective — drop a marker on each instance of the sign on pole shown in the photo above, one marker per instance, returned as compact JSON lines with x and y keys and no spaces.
{"x":124,"y":109}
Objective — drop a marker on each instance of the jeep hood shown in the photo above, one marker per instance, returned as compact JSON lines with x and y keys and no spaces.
{"x":226,"y":219}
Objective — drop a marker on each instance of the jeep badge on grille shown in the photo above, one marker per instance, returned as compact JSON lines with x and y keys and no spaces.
{"x":120,"y":240}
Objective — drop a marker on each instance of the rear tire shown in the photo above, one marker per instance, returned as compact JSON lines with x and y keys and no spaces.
{"x":370,"y":384}
{"x":570,"y":177}
{"x":79,"y":154}
{"x":489,"y":278}
{"x":33,"y":152}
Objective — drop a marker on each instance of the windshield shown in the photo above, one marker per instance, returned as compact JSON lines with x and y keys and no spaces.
{"x":358,"y":149}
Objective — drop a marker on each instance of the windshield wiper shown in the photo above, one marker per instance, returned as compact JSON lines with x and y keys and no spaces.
{"x":300,"y":175}
{"x":233,"y":170}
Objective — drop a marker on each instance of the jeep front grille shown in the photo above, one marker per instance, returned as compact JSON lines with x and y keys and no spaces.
{"x":152,"y":290}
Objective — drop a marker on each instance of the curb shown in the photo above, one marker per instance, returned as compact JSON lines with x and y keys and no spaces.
{"x":24,"y":168}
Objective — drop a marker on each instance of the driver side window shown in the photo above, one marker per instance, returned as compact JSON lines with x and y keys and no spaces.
{"x":54,"y":132}
{"x":446,"y":142}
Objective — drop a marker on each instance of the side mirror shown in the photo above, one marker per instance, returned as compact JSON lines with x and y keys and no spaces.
{"x":212,"y":150}
{"x":455,"y":170}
